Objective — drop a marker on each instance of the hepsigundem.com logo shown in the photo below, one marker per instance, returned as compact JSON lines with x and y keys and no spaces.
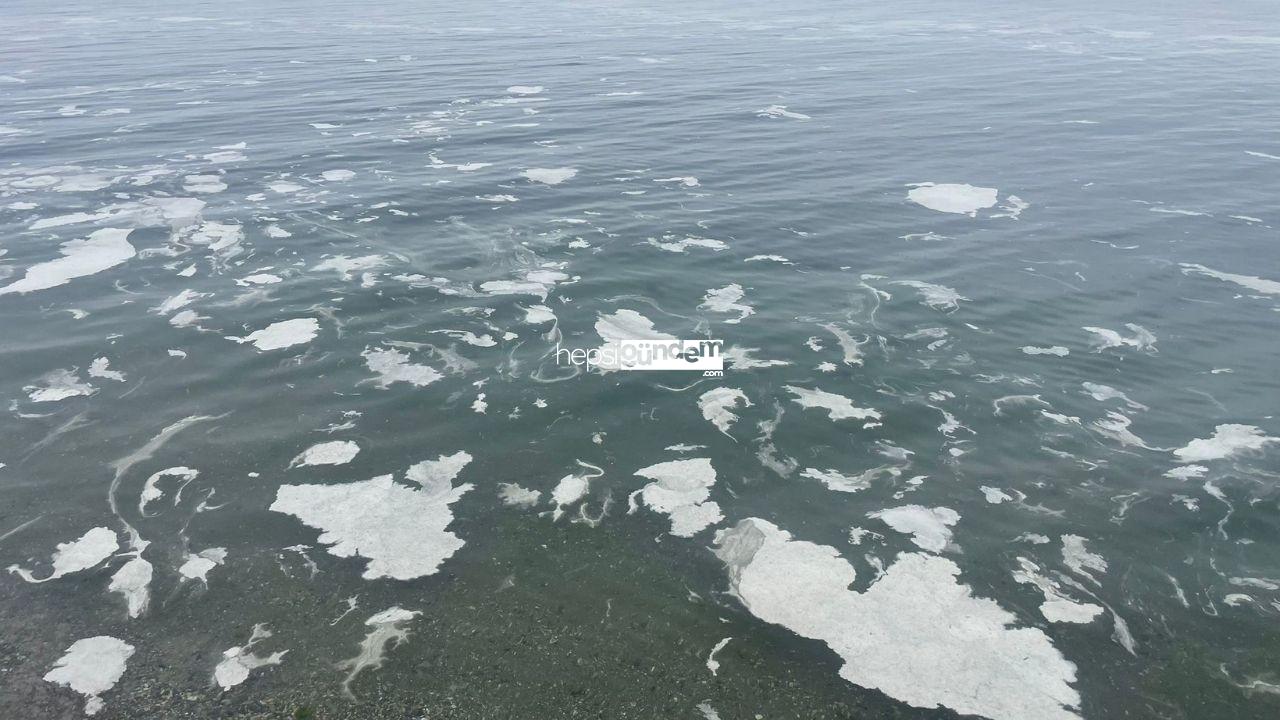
{"x":701,"y":355}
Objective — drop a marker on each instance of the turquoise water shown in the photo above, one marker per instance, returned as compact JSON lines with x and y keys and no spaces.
{"x":1043,"y":485}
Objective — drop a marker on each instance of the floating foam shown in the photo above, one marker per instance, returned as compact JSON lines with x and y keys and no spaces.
{"x":717,"y":406}
{"x":679,"y":246}
{"x":1056,"y":350}
{"x":916,"y":633}
{"x":780,"y":111}
{"x":393,"y":366}
{"x":513,"y":495}
{"x":335,"y":452}
{"x":386,"y":627}
{"x":726,"y":300}
{"x":1082,"y":562}
{"x":237,"y":662}
{"x":91,"y":667}
{"x":1227,"y":440}
{"x":1057,"y":607}
{"x":549,"y":176}
{"x":836,"y":480}
{"x":935,"y":296}
{"x":86,"y":552}
{"x":1256,"y":284}
{"x":1143,"y":339}
{"x":58,"y":385}
{"x":929,"y":528}
{"x":680,"y":489}
{"x":838,"y":407}
{"x":197,"y":565}
{"x":280,"y":335}
{"x":401,"y":530}
{"x":961,"y":199}
{"x":102,"y":250}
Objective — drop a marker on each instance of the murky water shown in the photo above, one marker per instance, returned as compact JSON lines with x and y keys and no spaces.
{"x":285,"y":433}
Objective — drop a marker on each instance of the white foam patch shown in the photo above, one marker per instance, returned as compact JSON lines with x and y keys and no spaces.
{"x":198,"y":565}
{"x":151,"y":490}
{"x":1187,"y":472}
{"x":225,"y":156}
{"x":222,"y":239}
{"x":1142,"y":339}
{"x":849,"y":347}
{"x":347,"y":267}
{"x":1057,"y":350}
{"x":203,"y":184}
{"x":133,"y":581}
{"x":679,"y":246}
{"x":1116,"y":426}
{"x":177,"y":302}
{"x":929,"y":528}
{"x":1012,"y":208}
{"x":393,"y":366}
{"x":437,"y":476}
{"x":102,"y":250}
{"x":916,"y":633}
{"x":83,"y":553}
{"x":259,"y":279}
{"x":237,"y":662}
{"x":469,"y":337}
{"x":769,"y":258}
{"x":781,"y":111}
{"x":58,"y":385}
{"x":1103,"y":393}
{"x":101,"y":368}
{"x":401,"y":530}
{"x":1249,"y":282}
{"x":550,"y":176}
{"x":186,"y":318}
{"x":513,"y":495}
{"x":385,"y":627}
{"x":961,"y":199}
{"x":935,"y":296}
{"x":680,"y":489}
{"x":539,"y":314}
{"x":335,"y":452}
{"x":685,"y":180}
{"x":91,"y":667}
{"x":569,"y":490}
{"x":995,"y":496}
{"x":283,"y":334}
{"x":1077,"y":557}
{"x":68,"y":219}
{"x":838,"y":407}
{"x":726,"y":300}
{"x":717,"y":406}
{"x":836,"y":480}
{"x":625,"y":325}
{"x":534,"y":282}
{"x":1057,"y":607}
{"x":742,"y":358}
{"x":1227,"y":440}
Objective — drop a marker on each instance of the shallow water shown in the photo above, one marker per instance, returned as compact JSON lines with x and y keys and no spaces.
{"x":1032,"y":249}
